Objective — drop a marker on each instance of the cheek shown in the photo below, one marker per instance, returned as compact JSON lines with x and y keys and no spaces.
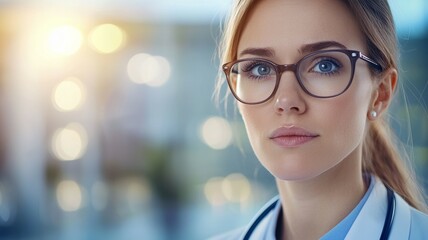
{"x":345,"y":117}
{"x":347,"y":121}
{"x":255,"y":121}
{"x":357,"y":99}
{"x":250,"y":119}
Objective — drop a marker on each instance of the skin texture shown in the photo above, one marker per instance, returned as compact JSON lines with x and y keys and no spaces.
{"x":326,"y":170}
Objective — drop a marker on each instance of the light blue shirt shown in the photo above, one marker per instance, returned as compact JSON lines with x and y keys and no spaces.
{"x":342,"y":228}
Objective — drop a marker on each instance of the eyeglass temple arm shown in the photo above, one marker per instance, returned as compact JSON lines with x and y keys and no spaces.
{"x":372,"y":62}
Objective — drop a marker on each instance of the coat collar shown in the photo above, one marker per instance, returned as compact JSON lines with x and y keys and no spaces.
{"x":368,"y":224}
{"x":265,"y":229}
{"x":370,"y":221}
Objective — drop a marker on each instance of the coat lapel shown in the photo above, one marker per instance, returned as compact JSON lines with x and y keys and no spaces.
{"x":401,"y":225}
{"x":265,"y":229}
{"x":370,"y":221}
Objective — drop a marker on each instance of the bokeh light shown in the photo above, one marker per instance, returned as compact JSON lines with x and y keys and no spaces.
{"x":147,"y":69}
{"x":68,"y":95}
{"x":65,"y":40}
{"x":216,"y":133}
{"x":213,"y":191}
{"x":69,"y":196}
{"x":107,"y":38}
{"x":134,"y":193}
{"x":137,"y":192}
{"x":236,"y":188}
{"x":69,"y":143}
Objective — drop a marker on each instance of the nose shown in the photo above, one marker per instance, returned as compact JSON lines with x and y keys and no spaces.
{"x":289,"y":96}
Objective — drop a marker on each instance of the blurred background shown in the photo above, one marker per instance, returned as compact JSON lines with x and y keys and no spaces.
{"x":108,"y":129}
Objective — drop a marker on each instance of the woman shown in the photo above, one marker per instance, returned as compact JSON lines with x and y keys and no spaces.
{"x":316,"y":123}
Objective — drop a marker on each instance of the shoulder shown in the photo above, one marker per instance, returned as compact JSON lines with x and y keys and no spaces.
{"x":418,"y":224}
{"x":231,"y":235}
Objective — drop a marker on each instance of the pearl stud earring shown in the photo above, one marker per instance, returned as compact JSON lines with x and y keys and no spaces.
{"x":373,"y":114}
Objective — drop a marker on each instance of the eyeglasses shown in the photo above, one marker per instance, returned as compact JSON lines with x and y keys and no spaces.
{"x":321,"y":74}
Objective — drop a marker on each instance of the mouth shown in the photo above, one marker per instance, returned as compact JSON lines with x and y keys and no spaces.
{"x":292,"y":136}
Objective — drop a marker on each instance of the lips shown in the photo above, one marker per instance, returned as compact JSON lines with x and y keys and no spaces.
{"x":292,"y":136}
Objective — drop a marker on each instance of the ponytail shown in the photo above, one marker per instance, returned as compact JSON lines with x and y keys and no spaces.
{"x":381,"y":158}
{"x":380,"y":153}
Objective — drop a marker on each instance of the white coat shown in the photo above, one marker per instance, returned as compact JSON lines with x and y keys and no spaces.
{"x":408,"y":223}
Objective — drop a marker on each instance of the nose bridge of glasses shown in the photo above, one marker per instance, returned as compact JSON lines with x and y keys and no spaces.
{"x":287,"y":67}
{"x":284,"y":68}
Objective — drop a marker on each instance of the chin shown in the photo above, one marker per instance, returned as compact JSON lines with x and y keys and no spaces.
{"x":294,"y":177}
{"x":285,"y":173}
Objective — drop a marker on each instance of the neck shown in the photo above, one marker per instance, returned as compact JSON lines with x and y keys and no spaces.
{"x":312,"y":207}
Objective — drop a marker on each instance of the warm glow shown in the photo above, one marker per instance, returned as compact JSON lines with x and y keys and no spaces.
{"x":65,"y":40}
{"x":68,"y":94}
{"x":236,"y":188}
{"x":213,"y":191}
{"x":107,"y":38}
{"x":216,"y":133}
{"x":69,"y":143}
{"x":147,"y":69}
{"x":134,"y":193}
{"x":69,"y":196}
{"x":137,"y":191}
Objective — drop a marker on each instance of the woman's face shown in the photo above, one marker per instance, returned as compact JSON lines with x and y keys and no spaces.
{"x":294,"y":135}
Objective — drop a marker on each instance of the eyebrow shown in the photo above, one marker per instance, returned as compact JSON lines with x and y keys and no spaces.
{"x":312,"y":47}
{"x":261,"y":52}
{"x":307,"y":48}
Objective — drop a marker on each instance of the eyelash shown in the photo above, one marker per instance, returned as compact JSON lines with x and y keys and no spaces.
{"x":250,"y":66}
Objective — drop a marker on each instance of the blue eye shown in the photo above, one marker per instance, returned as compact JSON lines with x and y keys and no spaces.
{"x":326,"y":66}
{"x":258,"y":70}
{"x":261,"y":70}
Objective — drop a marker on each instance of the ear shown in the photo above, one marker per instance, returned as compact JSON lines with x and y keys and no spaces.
{"x":383,"y":92}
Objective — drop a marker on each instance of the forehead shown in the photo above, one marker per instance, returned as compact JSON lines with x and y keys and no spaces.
{"x":286,"y":25}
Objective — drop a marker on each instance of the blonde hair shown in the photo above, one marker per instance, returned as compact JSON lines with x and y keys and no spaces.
{"x":381,"y":156}
{"x":380,"y":152}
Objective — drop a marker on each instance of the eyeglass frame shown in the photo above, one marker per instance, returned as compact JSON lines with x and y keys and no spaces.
{"x":353,"y":55}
